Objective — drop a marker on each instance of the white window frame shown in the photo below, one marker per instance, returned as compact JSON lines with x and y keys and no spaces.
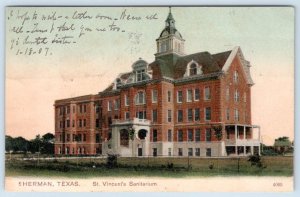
{"x":178,"y":96}
{"x":205,"y":114}
{"x":169,"y":95}
{"x":137,"y":98}
{"x":109,"y":105}
{"x":236,"y":77}
{"x":207,"y":93}
{"x":236,"y":115}
{"x":169,"y":115}
{"x":126,"y":100}
{"x":195,"y":94}
{"x":154,"y":96}
{"x":125,"y":116}
{"x":189,"y":92}
{"x":236,"y":96}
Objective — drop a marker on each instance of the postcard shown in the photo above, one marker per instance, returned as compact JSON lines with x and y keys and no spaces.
{"x":149,"y":99}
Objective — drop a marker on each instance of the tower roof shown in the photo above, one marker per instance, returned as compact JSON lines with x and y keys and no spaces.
{"x":170,"y":28}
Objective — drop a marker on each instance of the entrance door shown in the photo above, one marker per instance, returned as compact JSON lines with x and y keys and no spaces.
{"x":140,"y":152}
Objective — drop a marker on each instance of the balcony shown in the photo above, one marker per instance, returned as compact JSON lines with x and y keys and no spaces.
{"x":134,"y":121}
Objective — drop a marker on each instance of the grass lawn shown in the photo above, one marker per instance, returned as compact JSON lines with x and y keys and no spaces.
{"x":151,"y":167}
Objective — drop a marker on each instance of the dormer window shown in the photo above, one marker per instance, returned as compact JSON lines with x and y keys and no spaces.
{"x":140,"y":75}
{"x":193,"y":69}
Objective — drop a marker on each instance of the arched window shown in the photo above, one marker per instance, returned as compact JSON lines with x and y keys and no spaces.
{"x":124,"y":137}
{"x":140,"y":98}
{"x":193,"y":69}
{"x":236,"y":77}
{"x":142,"y":134}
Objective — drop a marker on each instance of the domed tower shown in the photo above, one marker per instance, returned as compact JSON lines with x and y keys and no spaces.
{"x":170,"y":40}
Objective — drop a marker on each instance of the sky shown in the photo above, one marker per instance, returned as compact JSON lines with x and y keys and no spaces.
{"x":34,"y":82}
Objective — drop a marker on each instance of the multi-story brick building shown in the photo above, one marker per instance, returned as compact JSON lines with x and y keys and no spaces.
{"x":178,"y":105}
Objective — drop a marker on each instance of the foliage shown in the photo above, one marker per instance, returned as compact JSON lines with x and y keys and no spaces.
{"x":44,"y":144}
{"x":255,"y":160}
{"x":218,"y":131}
{"x":112,"y":161}
{"x":131,"y":133}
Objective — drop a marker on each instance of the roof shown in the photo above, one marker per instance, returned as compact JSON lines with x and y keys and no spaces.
{"x":174,"y":67}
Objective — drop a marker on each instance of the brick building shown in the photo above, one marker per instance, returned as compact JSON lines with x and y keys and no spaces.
{"x":178,"y":105}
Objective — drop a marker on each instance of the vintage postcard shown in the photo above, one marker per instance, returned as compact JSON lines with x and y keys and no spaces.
{"x":149,"y":99}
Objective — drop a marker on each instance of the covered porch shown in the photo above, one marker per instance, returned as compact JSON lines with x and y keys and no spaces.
{"x":242,"y":139}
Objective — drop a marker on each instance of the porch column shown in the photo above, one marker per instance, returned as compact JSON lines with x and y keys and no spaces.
{"x":235,"y":132}
{"x":244,"y":140}
{"x":251,"y":147}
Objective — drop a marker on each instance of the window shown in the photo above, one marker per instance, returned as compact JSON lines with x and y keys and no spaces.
{"x":141,"y":114}
{"x":154,"y":96}
{"x":193,"y":69}
{"x":109,"y":104}
{"x":227,"y":94}
{"x":169,"y":135}
{"x":179,"y":116}
{"x":190,"y":151}
{"x":207,"y":113}
{"x":140,"y":98}
{"x":207,"y":95}
{"x":84,"y":108}
{"x":197,"y":94}
{"x":117,"y":104}
{"x":189,"y":96}
{"x":73,"y":123}
{"x":80,"y":123}
{"x":154,"y":152}
{"x":124,"y":137}
{"x":235,"y":77}
{"x":208,"y":135}
{"x":169,"y":96}
{"x":170,"y":151}
{"x":169,"y":115}
{"x":97,"y":123}
{"x":180,"y":136}
{"x":154,"y":134}
{"x":208,"y":152}
{"x":179,"y":151}
{"x":154,"y":115}
{"x":73,"y":137}
{"x":197,"y":152}
{"x":126,"y":100}
{"x":197,"y":114}
{"x":97,"y":138}
{"x":179,"y":97}
{"x":84,"y":137}
{"x":140,"y":75}
{"x":227,"y":114}
{"x":236,"y":115}
{"x":127,"y":115}
{"x":190,"y":115}
{"x":236,"y":96}
{"x":190,"y":135}
{"x":84,"y":122}
{"x":197,"y":135}
{"x":80,"y":108}
{"x":109,"y":121}
{"x":68,"y":109}
{"x":68,"y":137}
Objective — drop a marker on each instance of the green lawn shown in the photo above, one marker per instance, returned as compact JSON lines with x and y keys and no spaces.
{"x":162,"y":167}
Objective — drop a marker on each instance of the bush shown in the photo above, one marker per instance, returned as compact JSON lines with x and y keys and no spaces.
{"x":112,"y":161}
